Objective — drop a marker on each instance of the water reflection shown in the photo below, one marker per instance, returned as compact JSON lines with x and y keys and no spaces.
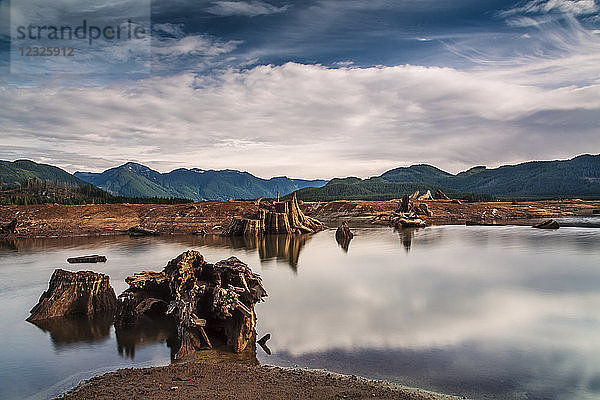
{"x":488,"y":312}
{"x":343,"y":242}
{"x":144,"y":333}
{"x":67,"y":331}
{"x":284,"y":248}
{"x":406,"y":236}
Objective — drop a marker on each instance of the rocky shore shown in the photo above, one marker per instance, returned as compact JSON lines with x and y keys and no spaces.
{"x":214,"y":217}
{"x":202,"y":380}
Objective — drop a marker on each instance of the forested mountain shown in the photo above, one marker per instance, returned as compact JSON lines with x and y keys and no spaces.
{"x":577,"y":177}
{"x":25,"y":182}
{"x":134,"y":179}
{"x":14,"y":173}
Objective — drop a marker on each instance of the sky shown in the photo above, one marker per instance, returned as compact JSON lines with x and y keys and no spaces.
{"x":307,"y":89}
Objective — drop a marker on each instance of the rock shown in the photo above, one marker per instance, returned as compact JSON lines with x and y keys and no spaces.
{"x":549,"y":224}
{"x":141,"y":231}
{"x":441,"y":195}
{"x":73,"y":293}
{"x":86,"y":259}
{"x":343,"y":235}
{"x":202,"y":297}
{"x":277,"y":218}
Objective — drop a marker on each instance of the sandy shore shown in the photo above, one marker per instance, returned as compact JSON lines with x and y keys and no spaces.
{"x":196,"y":380}
{"x":211,"y":217}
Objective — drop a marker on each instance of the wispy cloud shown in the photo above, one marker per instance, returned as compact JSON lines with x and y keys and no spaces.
{"x":574,"y":7}
{"x":244,"y":8}
{"x":306,"y":120}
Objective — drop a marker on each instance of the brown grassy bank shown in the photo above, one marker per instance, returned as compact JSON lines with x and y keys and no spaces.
{"x":80,"y":220}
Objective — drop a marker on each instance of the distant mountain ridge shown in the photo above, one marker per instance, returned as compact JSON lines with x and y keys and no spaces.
{"x":577,"y":177}
{"x":133,"y":179}
{"x":14,"y":173}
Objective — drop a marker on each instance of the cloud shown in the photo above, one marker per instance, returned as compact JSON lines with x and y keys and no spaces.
{"x":192,"y":45}
{"x":244,"y":8}
{"x":574,"y":7}
{"x":304,"y":120}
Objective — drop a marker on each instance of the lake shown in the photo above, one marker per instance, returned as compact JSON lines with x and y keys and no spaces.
{"x":484,"y":312}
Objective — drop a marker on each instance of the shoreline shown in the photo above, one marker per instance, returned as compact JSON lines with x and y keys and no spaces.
{"x":217,"y":380}
{"x":51,"y":220}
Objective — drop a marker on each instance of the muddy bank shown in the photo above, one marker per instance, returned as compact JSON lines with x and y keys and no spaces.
{"x":237,"y":381}
{"x":212,"y":217}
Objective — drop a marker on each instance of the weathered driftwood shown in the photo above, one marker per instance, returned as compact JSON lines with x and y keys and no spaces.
{"x":262,"y":342}
{"x":410,"y":223}
{"x":217,"y":297}
{"x":278,"y":218}
{"x":141,"y":231}
{"x":426,"y":196}
{"x":549,"y":224}
{"x":407,"y":214}
{"x":423,"y":209}
{"x":441,"y":195}
{"x":86,"y":259}
{"x":73,"y":293}
{"x":484,"y":223}
{"x":343,"y":235}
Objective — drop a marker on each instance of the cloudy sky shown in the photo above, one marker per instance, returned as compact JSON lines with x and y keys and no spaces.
{"x":308,"y":89}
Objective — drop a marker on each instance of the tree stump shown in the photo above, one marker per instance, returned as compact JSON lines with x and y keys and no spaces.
{"x":75,"y":293}
{"x":277,"y":218}
{"x":218,"y":298}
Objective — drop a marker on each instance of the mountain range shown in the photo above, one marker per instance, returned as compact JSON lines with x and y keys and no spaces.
{"x":136,"y":180}
{"x":577,"y":177}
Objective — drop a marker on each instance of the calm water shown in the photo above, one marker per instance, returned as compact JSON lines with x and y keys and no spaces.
{"x":483,"y":312}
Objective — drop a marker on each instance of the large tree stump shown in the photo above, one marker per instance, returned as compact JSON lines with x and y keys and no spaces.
{"x":73,"y":293}
{"x":277,"y":218}
{"x":218,"y":298}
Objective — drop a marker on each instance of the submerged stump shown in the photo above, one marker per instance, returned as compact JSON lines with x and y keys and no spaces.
{"x":549,"y":224}
{"x":343,"y":235}
{"x":281,"y":217}
{"x":203,"y":298}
